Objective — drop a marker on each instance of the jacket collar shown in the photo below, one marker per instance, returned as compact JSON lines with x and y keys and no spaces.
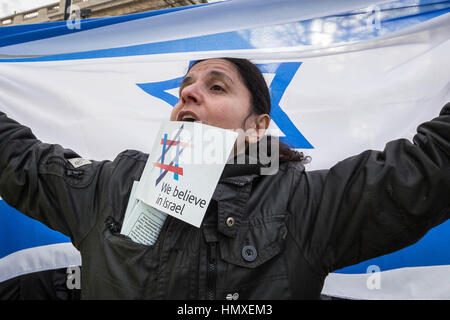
{"x":242,"y":168}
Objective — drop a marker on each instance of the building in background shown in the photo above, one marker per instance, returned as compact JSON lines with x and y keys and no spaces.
{"x":91,"y":9}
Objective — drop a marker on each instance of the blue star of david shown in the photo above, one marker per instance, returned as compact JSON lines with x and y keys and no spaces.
{"x":284,"y":72}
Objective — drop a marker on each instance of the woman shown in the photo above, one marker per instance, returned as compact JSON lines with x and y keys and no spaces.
{"x":263,"y":236}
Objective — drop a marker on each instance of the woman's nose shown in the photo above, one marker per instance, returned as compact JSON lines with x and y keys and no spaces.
{"x":191,"y":93}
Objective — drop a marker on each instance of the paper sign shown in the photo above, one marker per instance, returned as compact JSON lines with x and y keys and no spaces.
{"x":144,"y":224}
{"x":132,"y":201}
{"x":183,"y":169}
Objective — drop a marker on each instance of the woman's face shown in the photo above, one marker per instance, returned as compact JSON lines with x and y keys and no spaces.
{"x":213,"y":93}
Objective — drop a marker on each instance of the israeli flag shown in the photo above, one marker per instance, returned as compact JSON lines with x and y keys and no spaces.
{"x":344,"y":76}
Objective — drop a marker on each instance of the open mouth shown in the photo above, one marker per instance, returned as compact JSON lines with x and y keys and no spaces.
{"x":188,"y":118}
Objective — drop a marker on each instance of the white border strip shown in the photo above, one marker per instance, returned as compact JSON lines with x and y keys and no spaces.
{"x":36,"y":259}
{"x":418,"y":283}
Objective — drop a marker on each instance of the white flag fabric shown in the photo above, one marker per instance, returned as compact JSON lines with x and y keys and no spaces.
{"x":344,"y":76}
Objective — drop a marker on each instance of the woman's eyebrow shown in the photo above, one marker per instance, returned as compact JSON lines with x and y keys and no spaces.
{"x":213,"y":74}
{"x":220,"y":75}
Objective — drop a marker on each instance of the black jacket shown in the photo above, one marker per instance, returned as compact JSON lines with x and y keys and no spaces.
{"x":290,"y":229}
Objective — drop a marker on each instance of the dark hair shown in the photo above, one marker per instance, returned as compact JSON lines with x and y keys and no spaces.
{"x":260,"y":101}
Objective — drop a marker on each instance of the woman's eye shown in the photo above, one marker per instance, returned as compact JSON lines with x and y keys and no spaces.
{"x":216,"y":87}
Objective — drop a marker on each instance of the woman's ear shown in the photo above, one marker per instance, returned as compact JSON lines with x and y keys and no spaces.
{"x":263,"y":121}
{"x":258,"y":126}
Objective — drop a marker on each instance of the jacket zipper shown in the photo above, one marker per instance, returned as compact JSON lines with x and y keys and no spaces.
{"x":112,"y":225}
{"x":211,"y":275}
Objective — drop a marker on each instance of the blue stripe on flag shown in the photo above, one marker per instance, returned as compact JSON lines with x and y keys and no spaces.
{"x":26,"y":33}
{"x":257,"y":38}
{"x":18,"y":232}
{"x":431,"y":250}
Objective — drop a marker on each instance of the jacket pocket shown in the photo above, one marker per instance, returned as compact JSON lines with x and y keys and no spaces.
{"x":112,"y":235}
{"x":123,"y":266}
{"x":256,"y":242}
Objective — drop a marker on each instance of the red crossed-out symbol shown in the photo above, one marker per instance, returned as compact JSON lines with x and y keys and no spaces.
{"x":173,"y":165}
